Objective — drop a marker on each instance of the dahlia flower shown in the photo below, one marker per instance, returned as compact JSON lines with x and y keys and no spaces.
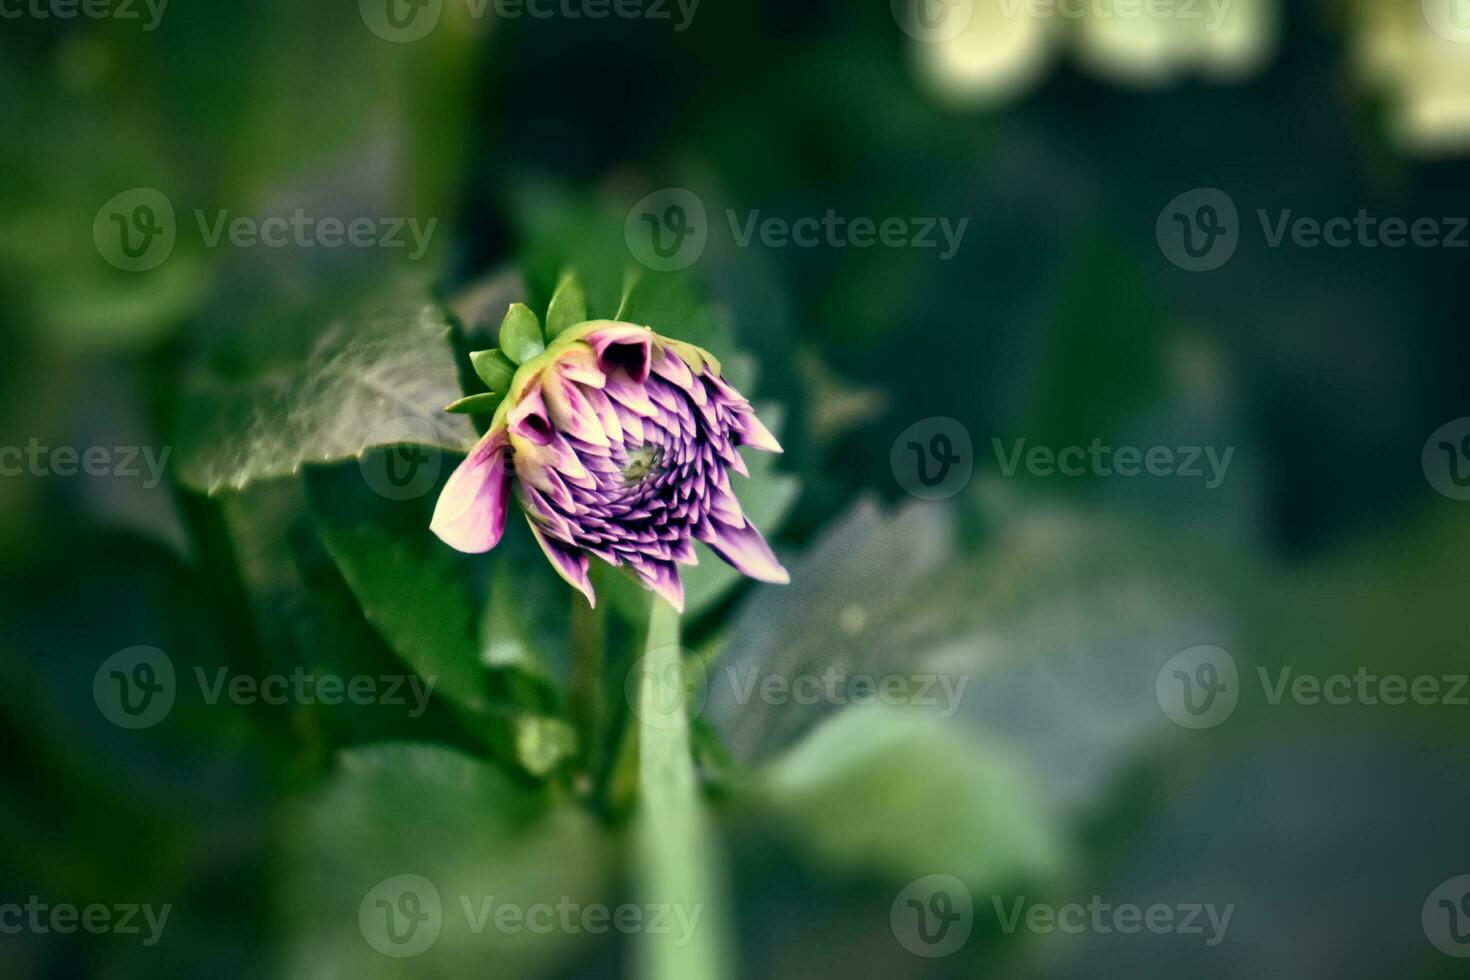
{"x":619,"y":443}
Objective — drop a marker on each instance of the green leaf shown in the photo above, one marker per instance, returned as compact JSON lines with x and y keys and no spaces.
{"x":503,"y":636}
{"x":482,"y":404}
{"x":854,"y":598}
{"x":466,"y":834}
{"x":929,"y":797}
{"x":378,"y":374}
{"x":494,"y":368}
{"x":415,"y":601}
{"x":568,"y":306}
{"x":678,"y":864}
{"x":520,"y":334}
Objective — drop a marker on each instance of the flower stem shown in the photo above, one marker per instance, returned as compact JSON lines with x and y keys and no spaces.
{"x":679,"y":864}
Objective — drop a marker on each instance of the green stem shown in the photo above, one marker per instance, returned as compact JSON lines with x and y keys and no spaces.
{"x":678,"y":861}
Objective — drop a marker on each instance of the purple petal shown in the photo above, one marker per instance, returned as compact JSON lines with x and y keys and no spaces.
{"x":470,"y":513}
{"x":755,"y":435}
{"x":744,"y":548}
{"x":570,"y":563}
{"x":663,"y":578}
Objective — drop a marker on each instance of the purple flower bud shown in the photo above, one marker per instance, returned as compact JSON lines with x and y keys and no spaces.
{"x":620,"y":442}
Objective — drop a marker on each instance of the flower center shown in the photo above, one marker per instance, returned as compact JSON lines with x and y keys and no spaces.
{"x":643,"y":462}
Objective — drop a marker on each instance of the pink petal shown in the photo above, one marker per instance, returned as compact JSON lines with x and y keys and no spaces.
{"x":672,"y":367}
{"x":744,"y":548}
{"x":622,"y":345}
{"x":529,"y":419}
{"x":580,"y":365}
{"x":571,"y":563}
{"x":571,"y":412}
{"x":470,"y":513}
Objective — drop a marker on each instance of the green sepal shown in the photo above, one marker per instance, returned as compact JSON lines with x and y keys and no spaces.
{"x":520,"y":334}
{"x":484,"y":403}
{"x":568,"y":305}
{"x":494,"y":368}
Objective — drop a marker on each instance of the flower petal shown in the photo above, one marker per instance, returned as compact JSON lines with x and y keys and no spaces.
{"x":470,"y":513}
{"x":754,"y":434}
{"x":623,"y":345}
{"x":571,"y":563}
{"x":570,"y":410}
{"x":663,"y":577}
{"x":744,"y":548}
